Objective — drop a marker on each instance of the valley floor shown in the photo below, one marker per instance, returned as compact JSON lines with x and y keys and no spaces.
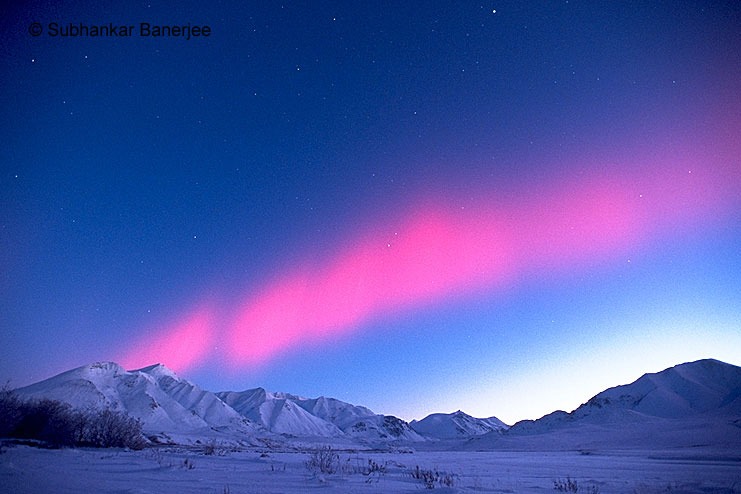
{"x":25,"y":469}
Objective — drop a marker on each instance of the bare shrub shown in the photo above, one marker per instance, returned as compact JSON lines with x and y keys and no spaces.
{"x":431,"y":478}
{"x":109,"y":429}
{"x":568,"y":485}
{"x":212,"y":448}
{"x":10,"y":411}
{"x":374,"y":471}
{"x":46,"y":420}
{"x":571,"y":485}
{"x":59,"y":425}
{"x":323,"y":460}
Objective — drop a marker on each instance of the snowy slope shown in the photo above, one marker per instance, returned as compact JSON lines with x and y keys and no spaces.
{"x":359,"y":422}
{"x":334,"y":411}
{"x":384,"y":428}
{"x":316,"y":417}
{"x":278,"y":412}
{"x":456,"y":425}
{"x":155,"y":395}
{"x":203,"y":404}
{"x":686,"y":390}
{"x":692,"y":404}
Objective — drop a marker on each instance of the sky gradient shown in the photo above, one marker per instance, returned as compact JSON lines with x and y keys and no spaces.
{"x":498,"y":207}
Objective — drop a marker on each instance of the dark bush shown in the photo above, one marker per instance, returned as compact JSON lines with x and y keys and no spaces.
{"x":10,"y":412}
{"x":47,"y":420}
{"x":109,"y":429}
{"x":59,"y":425}
{"x":323,"y":460}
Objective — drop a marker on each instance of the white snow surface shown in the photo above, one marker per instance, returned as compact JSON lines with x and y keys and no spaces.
{"x":178,"y":470}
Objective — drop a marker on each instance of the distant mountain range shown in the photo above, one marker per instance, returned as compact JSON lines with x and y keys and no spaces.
{"x":457,"y":425}
{"x":696,"y":404}
{"x":692,"y":404}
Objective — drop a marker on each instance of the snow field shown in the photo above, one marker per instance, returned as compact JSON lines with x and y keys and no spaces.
{"x":166,"y":470}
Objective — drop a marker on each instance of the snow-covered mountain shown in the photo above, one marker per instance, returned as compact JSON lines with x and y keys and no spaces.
{"x":279,"y":412}
{"x":457,"y":425}
{"x":317,"y":417}
{"x":692,"y":404}
{"x":686,"y":390}
{"x":705,"y":387}
{"x":164,"y":403}
{"x":172,"y":408}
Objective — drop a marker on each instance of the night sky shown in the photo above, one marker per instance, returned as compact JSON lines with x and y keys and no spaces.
{"x":501,"y":207}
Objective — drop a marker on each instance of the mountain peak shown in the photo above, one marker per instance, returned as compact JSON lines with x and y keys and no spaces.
{"x":456,"y":425}
{"x":158,"y":370}
{"x":680,"y":391}
{"x":706,"y":393}
{"x":104,"y":366}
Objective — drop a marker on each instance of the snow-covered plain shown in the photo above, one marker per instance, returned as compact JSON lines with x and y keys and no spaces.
{"x":25,"y":469}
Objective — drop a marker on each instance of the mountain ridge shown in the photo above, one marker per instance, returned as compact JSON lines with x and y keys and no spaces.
{"x":456,"y":425}
{"x":291,"y":414}
{"x":691,"y":404}
{"x":173,"y":409}
{"x":694,"y":402}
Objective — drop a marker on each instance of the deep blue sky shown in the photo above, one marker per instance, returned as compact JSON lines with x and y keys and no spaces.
{"x":146,"y":179}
